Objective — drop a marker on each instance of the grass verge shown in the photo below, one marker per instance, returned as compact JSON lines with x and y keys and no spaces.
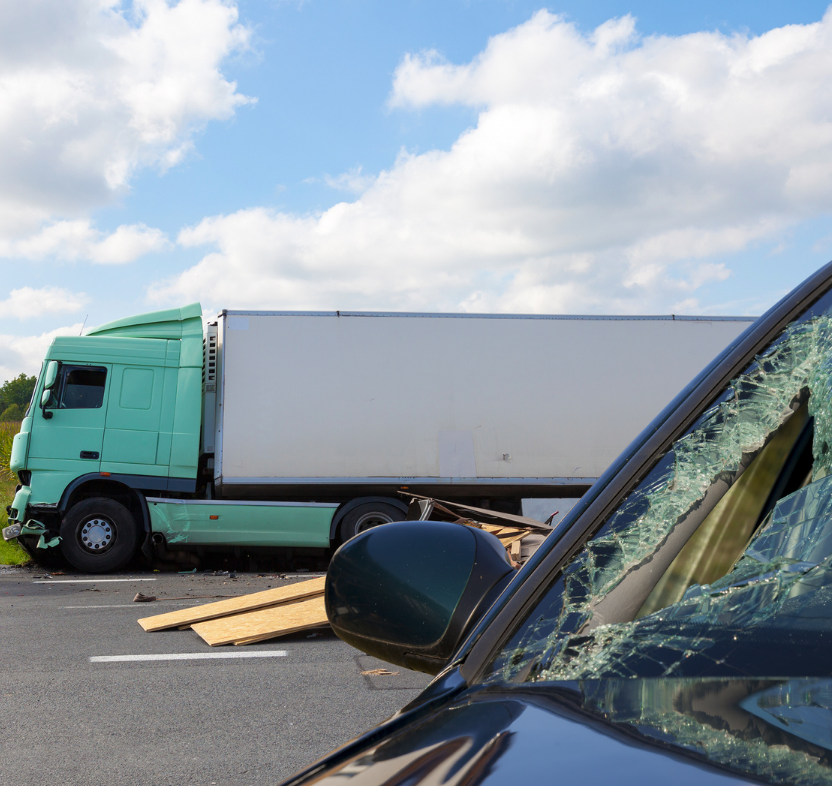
{"x":10,"y":553}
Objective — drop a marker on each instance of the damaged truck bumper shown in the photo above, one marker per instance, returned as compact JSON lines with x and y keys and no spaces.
{"x":31,"y":528}
{"x":20,"y":527}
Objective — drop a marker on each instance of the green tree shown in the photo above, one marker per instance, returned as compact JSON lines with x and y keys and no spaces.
{"x":17,"y":391}
{"x":12,"y":412}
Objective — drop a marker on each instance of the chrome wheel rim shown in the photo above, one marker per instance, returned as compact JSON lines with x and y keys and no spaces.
{"x":369,"y":520}
{"x":97,"y":535}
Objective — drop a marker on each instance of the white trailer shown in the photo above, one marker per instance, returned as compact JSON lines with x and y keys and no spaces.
{"x":339,"y":405}
{"x":270,"y":429}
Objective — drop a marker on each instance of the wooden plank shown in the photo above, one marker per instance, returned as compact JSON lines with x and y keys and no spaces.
{"x":267,"y":636}
{"x":269,"y":622}
{"x":222,"y":608}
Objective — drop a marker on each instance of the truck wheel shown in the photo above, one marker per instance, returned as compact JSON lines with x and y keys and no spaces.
{"x":98,"y":535}
{"x":371,"y":514}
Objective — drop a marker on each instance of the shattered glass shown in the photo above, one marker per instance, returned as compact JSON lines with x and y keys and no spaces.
{"x":781,"y":586}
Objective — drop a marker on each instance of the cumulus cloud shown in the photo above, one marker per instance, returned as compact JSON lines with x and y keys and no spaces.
{"x":605,"y":172}
{"x":92,"y":90}
{"x":73,"y":240}
{"x":24,"y":354}
{"x":29,"y":302}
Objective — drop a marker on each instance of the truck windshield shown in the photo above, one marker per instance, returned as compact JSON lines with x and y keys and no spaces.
{"x":719,"y":563}
{"x":35,"y":390}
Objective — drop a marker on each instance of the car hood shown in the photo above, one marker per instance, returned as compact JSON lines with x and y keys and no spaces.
{"x":679,"y":731}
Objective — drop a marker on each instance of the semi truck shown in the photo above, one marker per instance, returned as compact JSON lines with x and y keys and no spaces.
{"x":167,"y":432}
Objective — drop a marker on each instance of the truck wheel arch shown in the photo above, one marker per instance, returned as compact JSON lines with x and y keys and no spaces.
{"x":93,"y":485}
{"x":352,"y":504}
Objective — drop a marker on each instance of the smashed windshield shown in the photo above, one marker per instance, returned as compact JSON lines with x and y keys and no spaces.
{"x":720,"y":562}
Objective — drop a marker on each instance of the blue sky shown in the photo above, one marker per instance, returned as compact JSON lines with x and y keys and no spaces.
{"x":358,"y":154}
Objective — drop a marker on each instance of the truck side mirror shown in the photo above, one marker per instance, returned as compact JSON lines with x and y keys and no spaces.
{"x":45,"y":398}
{"x":51,"y":376}
{"x":409,"y":592}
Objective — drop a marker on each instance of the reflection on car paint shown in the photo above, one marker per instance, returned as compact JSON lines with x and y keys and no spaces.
{"x":776,"y":731}
{"x":779,"y":731}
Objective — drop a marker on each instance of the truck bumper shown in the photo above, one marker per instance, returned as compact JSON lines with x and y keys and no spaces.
{"x":12,"y":531}
{"x":32,"y":528}
{"x":17,"y":511}
{"x":19,"y":525}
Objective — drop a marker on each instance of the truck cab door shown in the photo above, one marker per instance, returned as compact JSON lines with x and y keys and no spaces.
{"x":70,"y":436}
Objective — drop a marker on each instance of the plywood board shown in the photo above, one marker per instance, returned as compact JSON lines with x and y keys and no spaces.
{"x":267,"y":636}
{"x":222,"y":608}
{"x":268,"y":623}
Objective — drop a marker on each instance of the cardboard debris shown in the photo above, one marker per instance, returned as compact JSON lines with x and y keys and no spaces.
{"x":235,"y":606}
{"x":264,"y":624}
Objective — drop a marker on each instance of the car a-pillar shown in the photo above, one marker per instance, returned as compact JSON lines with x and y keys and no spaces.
{"x":101,"y":528}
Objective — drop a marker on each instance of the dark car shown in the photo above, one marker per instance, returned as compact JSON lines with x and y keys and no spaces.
{"x":675,"y":628}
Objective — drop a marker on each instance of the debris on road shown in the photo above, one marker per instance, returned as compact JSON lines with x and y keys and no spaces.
{"x":140,"y":598}
{"x":268,"y":623}
{"x":379,"y":673}
{"x":255,"y":617}
{"x":520,"y":535}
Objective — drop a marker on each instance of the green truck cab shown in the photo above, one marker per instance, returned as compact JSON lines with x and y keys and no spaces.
{"x":116,"y":415}
{"x":111,"y":458}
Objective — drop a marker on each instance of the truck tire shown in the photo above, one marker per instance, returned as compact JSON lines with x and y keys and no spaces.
{"x":99,"y":535}
{"x":366,"y":516}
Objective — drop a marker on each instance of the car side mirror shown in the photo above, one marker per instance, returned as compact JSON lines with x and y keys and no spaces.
{"x":45,"y":398}
{"x":409,"y":592}
{"x":51,"y":376}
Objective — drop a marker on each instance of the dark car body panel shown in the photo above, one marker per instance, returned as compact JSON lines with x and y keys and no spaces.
{"x":459,"y":732}
{"x":537,"y":734}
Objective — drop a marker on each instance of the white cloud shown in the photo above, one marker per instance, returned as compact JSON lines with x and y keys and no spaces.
{"x":606,"y":172}
{"x":28,"y":302}
{"x":353,"y":181}
{"x":24,"y":354}
{"x":92,"y":90}
{"x":78,"y":239}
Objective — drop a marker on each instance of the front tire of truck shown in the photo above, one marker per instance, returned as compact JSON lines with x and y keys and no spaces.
{"x":371,"y":514}
{"x":99,"y":535}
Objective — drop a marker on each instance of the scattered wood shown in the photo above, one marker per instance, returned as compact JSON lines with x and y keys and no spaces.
{"x":453,"y":511}
{"x":235,"y":606}
{"x":267,"y":636}
{"x":520,"y":535}
{"x":264,"y":624}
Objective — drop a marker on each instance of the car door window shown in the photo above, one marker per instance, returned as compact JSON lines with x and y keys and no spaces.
{"x":720,"y":561}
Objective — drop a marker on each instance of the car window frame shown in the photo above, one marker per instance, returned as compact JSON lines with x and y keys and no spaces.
{"x":624,"y":474}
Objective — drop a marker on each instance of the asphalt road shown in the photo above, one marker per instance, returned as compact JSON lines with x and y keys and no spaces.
{"x":67,"y":719}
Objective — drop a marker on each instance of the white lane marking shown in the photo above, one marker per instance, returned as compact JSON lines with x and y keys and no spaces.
{"x":189,"y":656}
{"x":136,"y":606}
{"x":84,"y":581}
